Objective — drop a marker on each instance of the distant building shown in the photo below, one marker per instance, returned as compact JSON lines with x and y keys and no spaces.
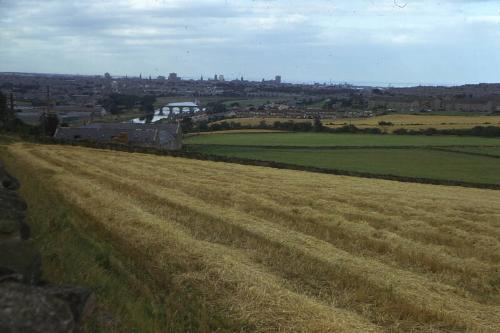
{"x":277,"y":79}
{"x":164,"y":136}
{"x":173,"y":77}
{"x":221,"y":77}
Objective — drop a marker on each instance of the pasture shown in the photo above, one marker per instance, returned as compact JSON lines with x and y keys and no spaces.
{"x":415,"y":163}
{"x":442,"y":158}
{"x":308,"y":139}
{"x":246,"y":248}
{"x":490,"y":151}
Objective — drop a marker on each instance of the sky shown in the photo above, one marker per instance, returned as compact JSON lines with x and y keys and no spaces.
{"x":384,"y":42}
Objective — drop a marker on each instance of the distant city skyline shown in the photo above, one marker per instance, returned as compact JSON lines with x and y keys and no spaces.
{"x":365,"y":42}
{"x":209,"y":77}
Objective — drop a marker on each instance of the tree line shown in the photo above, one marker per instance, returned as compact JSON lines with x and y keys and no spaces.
{"x":118,"y":103}
{"x":10,"y":123}
{"x":316,"y":126}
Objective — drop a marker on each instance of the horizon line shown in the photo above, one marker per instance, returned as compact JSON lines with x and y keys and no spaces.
{"x":372,"y":84}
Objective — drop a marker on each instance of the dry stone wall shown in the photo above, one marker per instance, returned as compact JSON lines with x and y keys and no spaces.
{"x":27,"y":302}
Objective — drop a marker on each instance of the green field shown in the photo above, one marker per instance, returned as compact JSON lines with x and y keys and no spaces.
{"x":328,"y":139}
{"x":253,"y":101}
{"x":418,"y":163}
{"x":377,"y":155}
{"x":493,"y":151}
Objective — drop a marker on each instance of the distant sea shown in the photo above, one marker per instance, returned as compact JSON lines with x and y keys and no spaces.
{"x":380,"y":84}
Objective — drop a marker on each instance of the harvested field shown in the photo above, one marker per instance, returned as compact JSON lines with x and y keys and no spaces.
{"x":290,"y":251}
{"x":407,"y":121}
{"x":417,"y":122}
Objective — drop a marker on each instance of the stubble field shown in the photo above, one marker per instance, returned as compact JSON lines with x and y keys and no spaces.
{"x":290,"y":251}
{"x":417,"y":122}
{"x":407,"y":121}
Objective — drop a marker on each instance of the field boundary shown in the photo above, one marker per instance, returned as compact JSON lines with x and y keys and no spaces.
{"x":467,"y":152}
{"x":262,"y":163}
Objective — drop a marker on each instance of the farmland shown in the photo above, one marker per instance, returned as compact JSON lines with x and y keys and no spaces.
{"x":255,"y":121}
{"x":441,"y":158}
{"x":416,"y":163}
{"x":258,"y":249}
{"x":333,"y":140}
{"x":397,"y":121}
{"x":416,"y":122}
{"x":490,"y":151}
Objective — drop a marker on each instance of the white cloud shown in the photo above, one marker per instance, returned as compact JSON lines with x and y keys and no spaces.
{"x":318,"y":39}
{"x":490,"y":19}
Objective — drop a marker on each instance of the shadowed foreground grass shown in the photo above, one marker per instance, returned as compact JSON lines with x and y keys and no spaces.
{"x":235,"y":247}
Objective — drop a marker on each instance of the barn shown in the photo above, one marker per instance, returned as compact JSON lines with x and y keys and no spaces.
{"x":164,"y":136}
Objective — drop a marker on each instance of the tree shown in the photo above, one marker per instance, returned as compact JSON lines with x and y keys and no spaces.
{"x":3,"y":107}
{"x":216,"y":107}
{"x":147,"y":103}
{"x":318,"y":125}
{"x":187,"y":124}
{"x":7,"y":117}
{"x":49,"y":123}
{"x":116,"y":103}
{"x":203,"y":126}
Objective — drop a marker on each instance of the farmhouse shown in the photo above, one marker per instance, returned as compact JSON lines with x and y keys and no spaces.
{"x":165,"y":136}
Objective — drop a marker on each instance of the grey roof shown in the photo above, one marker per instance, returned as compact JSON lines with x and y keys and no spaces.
{"x":160,"y":134}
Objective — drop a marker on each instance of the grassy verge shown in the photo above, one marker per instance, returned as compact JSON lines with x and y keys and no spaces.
{"x":131,"y":295}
